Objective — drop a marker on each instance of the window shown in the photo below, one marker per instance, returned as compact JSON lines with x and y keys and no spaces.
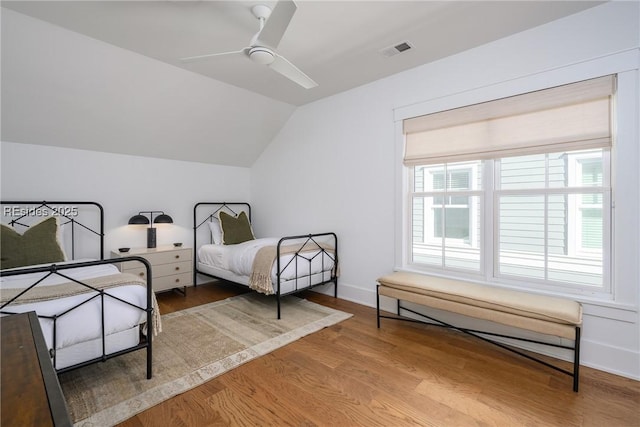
{"x":446,"y":204}
{"x":513,"y":193}
{"x":550,"y":226}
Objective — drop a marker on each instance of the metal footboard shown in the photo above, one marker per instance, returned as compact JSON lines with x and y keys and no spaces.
{"x":92,"y":294}
{"x":310,"y":247}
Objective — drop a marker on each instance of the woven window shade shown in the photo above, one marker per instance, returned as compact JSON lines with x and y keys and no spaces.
{"x":570,"y":117}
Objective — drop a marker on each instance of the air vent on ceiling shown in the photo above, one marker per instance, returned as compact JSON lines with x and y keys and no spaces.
{"x":396,"y":49}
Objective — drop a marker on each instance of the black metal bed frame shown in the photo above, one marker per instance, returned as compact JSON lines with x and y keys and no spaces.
{"x":476,"y":333}
{"x":233,"y":207}
{"x":58,"y":269}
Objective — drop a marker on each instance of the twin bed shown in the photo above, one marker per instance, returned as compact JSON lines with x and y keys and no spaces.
{"x":226,"y":248}
{"x":90,"y":312}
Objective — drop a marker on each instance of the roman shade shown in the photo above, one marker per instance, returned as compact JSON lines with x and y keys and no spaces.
{"x":569,"y":117}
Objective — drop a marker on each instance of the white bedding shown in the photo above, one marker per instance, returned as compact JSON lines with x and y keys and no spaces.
{"x":238,"y":259}
{"x":82,"y":323}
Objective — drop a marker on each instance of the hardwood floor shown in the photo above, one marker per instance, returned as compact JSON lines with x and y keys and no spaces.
{"x":353,"y":374}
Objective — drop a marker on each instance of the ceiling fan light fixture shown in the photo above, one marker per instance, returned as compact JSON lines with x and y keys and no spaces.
{"x":261,"y":55}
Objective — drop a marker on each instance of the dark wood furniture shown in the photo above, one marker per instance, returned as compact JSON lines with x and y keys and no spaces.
{"x":30,"y":391}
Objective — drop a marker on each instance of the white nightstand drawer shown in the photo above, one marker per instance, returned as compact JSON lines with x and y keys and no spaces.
{"x":174,"y":281}
{"x":166,"y":257}
{"x":173,"y":268}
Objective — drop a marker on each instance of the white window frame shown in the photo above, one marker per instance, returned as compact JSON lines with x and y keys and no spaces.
{"x":445,"y":193}
{"x":602,"y":292}
{"x":445,"y":243}
{"x":575,"y":176}
{"x":489,"y":269}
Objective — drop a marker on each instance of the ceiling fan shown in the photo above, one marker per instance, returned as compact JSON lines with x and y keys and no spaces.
{"x":261,"y":49}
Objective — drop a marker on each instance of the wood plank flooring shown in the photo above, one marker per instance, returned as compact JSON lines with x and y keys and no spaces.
{"x":404,"y":374}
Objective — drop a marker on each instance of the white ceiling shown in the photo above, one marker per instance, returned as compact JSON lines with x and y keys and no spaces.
{"x":336,"y":43}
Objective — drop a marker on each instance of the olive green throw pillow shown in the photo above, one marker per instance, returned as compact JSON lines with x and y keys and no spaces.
{"x":38,"y":245}
{"x":235,"y":229}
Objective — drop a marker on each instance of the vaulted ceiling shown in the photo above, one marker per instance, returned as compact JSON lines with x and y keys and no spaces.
{"x":338,"y":44}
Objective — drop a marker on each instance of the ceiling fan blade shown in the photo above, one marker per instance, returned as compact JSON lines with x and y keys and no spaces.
{"x":277,"y":23}
{"x":210,"y":55}
{"x":290,"y":71}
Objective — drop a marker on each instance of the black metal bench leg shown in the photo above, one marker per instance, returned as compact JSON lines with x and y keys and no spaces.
{"x":576,"y":360}
{"x":378,"y":304}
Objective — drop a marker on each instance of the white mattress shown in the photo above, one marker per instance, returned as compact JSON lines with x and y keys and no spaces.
{"x":87,"y":350}
{"x":83,"y":323}
{"x":235,"y":263}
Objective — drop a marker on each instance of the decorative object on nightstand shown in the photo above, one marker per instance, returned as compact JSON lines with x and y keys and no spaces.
{"x":171,"y":267}
{"x":141,"y":219}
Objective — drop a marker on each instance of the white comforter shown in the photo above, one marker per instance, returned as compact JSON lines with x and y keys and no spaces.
{"x":82,"y":323}
{"x":239,"y":259}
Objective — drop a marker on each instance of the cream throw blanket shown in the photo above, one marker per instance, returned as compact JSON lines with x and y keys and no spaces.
{"x":260,"y":279}
{"x":67,"y":289}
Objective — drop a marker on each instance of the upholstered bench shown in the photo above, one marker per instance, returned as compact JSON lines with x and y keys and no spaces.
{"x":547,"y":315}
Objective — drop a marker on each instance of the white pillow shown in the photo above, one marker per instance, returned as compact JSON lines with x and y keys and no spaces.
{"x":216,"y":231}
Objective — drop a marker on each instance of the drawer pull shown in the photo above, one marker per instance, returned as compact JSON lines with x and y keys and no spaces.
{"x":177,"y":280}
{"x":177,"y":256}
{"x":141,"y":274}
{"x":177,"y":268}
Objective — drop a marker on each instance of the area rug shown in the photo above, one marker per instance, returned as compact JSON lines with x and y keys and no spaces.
{"x":195,"y":345}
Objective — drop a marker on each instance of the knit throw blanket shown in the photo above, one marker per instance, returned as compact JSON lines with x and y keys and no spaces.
{"x":260,"y":279}
{"x":67,"y":289}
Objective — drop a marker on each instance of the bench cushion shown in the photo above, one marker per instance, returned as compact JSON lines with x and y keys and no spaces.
{"x":546,"y":308}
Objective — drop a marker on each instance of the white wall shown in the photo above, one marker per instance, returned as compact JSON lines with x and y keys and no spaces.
{"x":64,"y":89}
{"x":122,"y":184}
{"x":335,"y":164}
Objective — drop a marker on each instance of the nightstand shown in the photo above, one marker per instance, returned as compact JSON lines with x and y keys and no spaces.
{"x":171,"y":267}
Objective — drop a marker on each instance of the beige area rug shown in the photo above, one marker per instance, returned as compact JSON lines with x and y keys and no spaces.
{"x":195,"y":345}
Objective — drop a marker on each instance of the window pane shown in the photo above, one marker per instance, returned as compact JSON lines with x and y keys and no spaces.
{"x":591,"y":229}
{"x":522,"y":172}
{"x":521,"y":236}
{"x":462,"y":242}
{"x":456,"y":223}
{"x":459,"y":176}
{"x":558,"y":177}
{"x":459,"y":179}
{"x":581,"y":260}
{"x":459,"y":245}
{"x":591,"y":172}
{"x":526,"y":172}
{"x":573,"y":242}
{"x":426,"y":248}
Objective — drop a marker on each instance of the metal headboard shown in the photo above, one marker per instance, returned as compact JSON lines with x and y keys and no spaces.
{"x":211,"y":212}
{"x":16,"y":213}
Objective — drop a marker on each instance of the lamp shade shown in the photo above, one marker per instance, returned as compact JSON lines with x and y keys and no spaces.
{"x":139,"y":220}
{"x":163,"y":219}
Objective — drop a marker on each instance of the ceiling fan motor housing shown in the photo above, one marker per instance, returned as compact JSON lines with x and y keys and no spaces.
{"x":261,"y":55}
